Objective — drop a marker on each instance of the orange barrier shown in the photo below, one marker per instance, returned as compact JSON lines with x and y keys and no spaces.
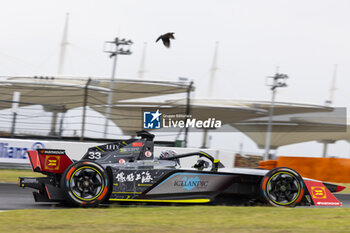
{"x":325,"y":169}
{"x":268,"y":164}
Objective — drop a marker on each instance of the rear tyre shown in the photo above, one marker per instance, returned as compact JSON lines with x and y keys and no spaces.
{"x":85,"y":184}
{"x":283,"y":186}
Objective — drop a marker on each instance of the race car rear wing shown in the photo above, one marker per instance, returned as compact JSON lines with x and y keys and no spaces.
{"x":49,"y":160}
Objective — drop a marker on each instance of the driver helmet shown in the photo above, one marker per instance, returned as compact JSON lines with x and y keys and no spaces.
{"x":167,"y":154}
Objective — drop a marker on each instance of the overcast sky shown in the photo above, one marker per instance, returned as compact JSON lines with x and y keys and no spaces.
{"x":304,"y":38}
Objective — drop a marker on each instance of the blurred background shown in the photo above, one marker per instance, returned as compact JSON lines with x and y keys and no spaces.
{"x":227,"y":48}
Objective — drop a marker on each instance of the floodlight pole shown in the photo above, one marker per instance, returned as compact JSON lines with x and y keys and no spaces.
{"x":86,"y":89}
{"x":117,"y":42}
{"x":188,"y":111}
{"x":269,"y":126}
{"x":64,"y":44}
{"x":15,"y":104}
{"x":276,"y":83}
{"x":110,"y":96}
{"x":213,"y":71}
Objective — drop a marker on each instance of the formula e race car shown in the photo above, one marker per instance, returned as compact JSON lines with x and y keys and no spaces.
{"x":127,"y":171}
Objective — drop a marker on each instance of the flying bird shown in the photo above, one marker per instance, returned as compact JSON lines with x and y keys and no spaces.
{"x":166,"y":38}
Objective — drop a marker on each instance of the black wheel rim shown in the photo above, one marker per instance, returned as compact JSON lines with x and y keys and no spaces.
{"x":86,"y":183}
{"x":283,"y":188}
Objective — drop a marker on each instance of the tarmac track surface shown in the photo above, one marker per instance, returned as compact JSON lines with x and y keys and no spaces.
{"x":13,"y":197}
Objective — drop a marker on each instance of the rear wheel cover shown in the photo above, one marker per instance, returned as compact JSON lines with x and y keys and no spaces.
{"x":283,"y":187}
{"x":85,"y":183}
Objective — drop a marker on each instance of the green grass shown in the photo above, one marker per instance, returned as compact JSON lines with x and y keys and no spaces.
{"x":178,"y":219}
{"x":11,"y":175}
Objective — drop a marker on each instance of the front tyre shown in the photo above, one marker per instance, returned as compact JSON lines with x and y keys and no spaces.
{"x":283,"y":186}
{"x":85,"y":184}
